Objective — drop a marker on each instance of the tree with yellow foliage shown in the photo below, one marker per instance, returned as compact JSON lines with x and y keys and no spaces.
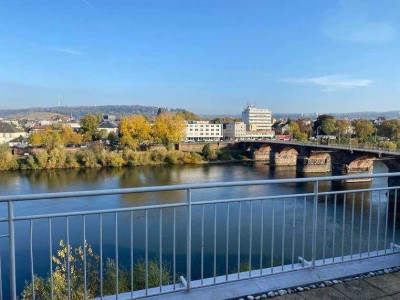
{"x":169,"y":129}
{"x":134,"y":130}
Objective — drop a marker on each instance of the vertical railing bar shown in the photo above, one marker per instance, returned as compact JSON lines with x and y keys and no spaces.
{"x":116,"y":257}
{"x":131,"y":246}
{"x":369,"y":223}
{"x":386,"y":221}
{"x":325,"y":217}
{"x":251,"y":237}
{"x":13,"y":285}
{"x":344,"y":223}
{"x":334,"y":227}
{"x":379,"y":223}
{"x":147,"y":250}
{"x":315,"y":220}
{"x":293,"y":230}
{"x":1,"y":279}
{"x":68,"y":262}
{"x":304,"y":231}
{"x":361,"y":223}
{"x":273,"y":236}
{"x":352,"y":227}
{"x":31,"y":257}
{"x":160,"y":250}
{"x":202,"y":245}
{"x":239,"y":226}
{"x":174,"y":249}
{"x":51,"y":259}
{"x":189,"y":240}
{"x":394,"y":219}
{"x":101,"y":254}
{"x":227,"y":242}
{"x":84,"y":258}
{"x":262,"y":237}
{"x":283,"y":233}
{"x":215,"y":243}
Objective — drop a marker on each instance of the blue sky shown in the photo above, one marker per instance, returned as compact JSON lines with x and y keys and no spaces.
{"x":206,"y":56}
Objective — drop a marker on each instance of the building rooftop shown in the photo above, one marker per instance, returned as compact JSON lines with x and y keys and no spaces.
{"x":8,"y":128}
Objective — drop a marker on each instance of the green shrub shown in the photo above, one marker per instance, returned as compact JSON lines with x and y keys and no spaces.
{"x":76,"y":258}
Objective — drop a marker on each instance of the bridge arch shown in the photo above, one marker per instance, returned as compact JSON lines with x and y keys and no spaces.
{"x":286,"y":157}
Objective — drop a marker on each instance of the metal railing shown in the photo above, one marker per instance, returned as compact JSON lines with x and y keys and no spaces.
{"x":194,"y":241}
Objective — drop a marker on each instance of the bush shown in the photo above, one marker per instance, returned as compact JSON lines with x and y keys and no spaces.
{"x":223,"y":155}
{"x":87,"y":158}
{"x":208,"y":153}
{"x":7,"y":160}
{"x":76,"y":258}
{"x":115,"y":159}
{"x":388,"y":145}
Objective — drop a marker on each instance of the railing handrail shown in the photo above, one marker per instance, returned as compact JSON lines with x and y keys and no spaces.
{"x":192,"y":186}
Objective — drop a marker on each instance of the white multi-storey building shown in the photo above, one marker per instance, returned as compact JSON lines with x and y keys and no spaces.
{"x":235,"y":130}
{"x":203,"y":131}
{"x":257,"y":119}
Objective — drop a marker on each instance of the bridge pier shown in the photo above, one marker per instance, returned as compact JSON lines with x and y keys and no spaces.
{"x":261,"y":154}
{"x":314,"y":163}
{"x":348,"y":165}
{"x":286,"y":157}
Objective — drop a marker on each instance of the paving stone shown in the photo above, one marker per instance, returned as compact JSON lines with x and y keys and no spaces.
{"x":328,"y":293}
{"x":396,"y":274}
{"x":290,"y":297}
{"x":396,"y":296}
{"x":359,"y":289}
{"x":387,"y":283}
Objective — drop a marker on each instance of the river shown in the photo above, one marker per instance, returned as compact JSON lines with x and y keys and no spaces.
{"x":288,"y":230}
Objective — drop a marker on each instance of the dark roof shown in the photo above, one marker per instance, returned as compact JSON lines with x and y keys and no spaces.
{"x":8,"y":128}
{"x":108,"y":125}
{"x":19,"y":139}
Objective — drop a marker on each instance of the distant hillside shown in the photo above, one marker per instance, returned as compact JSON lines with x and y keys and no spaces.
{"x":79,"y":111}
{"x":353,"y":115}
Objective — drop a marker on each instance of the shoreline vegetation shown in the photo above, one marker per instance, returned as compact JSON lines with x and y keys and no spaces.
{"x":98,"y":156}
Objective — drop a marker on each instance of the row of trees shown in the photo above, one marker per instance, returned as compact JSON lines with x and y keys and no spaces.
{"x":386,"y":134}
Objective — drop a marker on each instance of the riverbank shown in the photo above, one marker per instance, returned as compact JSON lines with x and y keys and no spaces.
{"x":99,"y":157}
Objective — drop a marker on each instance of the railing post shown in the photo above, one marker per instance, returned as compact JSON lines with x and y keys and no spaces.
{"x":13,"y":287}
{"x":315,"y":219}
{"x":189,"y":239}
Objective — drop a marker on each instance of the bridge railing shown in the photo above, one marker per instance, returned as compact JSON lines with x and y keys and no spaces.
{"x":375,"y":149}
{"x":196,"y":238}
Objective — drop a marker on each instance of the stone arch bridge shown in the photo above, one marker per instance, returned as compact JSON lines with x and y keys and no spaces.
{"x":312,"y":158}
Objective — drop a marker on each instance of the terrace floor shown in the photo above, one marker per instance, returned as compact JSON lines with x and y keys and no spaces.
{"x":383,"y":287}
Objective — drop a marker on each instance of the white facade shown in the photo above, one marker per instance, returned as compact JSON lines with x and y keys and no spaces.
{"x":235,"y":130}
{"x":257,"y":119}
{"x":8,"y":132}
{"x":203,"y":131}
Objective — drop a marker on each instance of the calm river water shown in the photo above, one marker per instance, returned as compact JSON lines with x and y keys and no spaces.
{"x":292,"y":221}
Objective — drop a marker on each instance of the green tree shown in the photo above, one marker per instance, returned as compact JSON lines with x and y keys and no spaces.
{"x":363,"y":128}
{"x":329,"y":126}
{"x":320,"y":120}
{"x":90,"y":124}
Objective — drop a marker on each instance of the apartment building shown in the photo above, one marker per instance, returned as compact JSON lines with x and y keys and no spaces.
{"x":235,"y":130}
{"x":257,"y":119}
{"x":203,"y":131}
